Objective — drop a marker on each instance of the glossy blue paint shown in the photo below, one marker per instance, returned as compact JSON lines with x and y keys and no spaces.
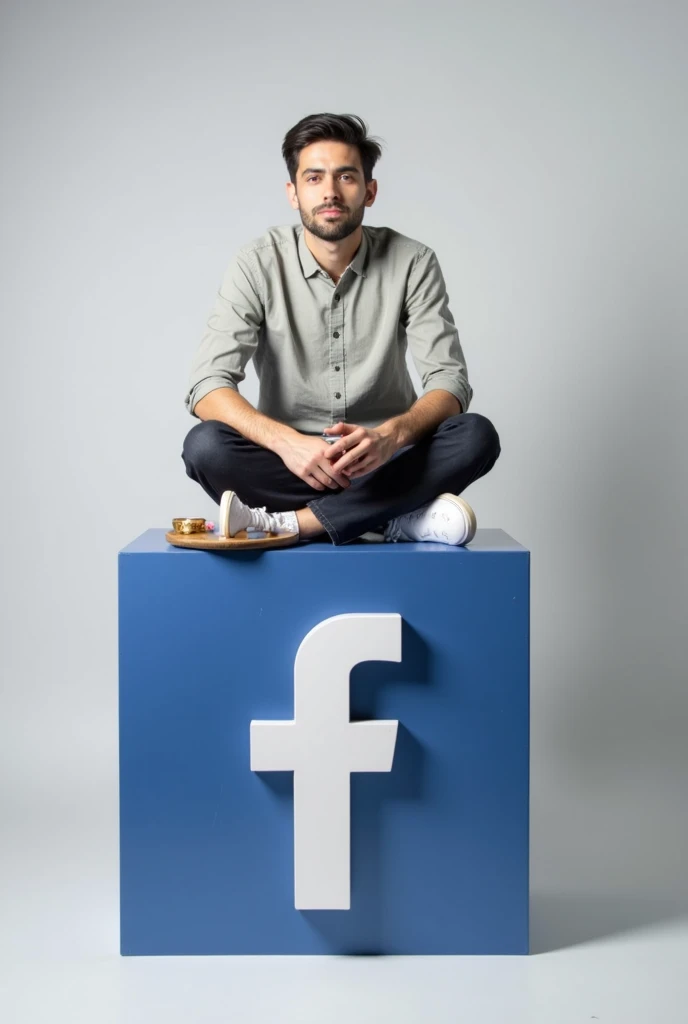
{"x":440,"y":846}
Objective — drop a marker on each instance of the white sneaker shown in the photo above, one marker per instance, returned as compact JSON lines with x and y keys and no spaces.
{"x":235,"y":516}
{"x":448,"y":519}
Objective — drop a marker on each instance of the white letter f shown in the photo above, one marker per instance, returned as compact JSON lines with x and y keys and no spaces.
{"x":322,"y":747}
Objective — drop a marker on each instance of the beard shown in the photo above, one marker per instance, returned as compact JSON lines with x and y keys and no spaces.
{"x":337,"y":228}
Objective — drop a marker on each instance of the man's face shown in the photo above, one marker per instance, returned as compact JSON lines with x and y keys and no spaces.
{"x":330,"y":175}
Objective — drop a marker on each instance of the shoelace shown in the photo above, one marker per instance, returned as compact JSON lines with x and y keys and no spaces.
{"x":263,"y":520}
{"x":393,"y":531}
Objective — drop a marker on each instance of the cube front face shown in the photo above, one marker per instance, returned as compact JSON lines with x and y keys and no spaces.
{"x":439,"y":845}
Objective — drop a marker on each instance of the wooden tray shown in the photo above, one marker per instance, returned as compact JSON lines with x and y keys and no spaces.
{"x":213,"y":542}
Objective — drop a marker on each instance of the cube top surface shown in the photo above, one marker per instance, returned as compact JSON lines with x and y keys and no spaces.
{"x":486,"y":540}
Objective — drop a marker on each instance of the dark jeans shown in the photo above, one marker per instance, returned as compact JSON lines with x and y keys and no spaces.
{"x":462,"y":449}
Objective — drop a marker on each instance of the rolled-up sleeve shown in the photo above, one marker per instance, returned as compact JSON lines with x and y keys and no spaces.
{"x":231,"y":335}
{"x":431,"y":333}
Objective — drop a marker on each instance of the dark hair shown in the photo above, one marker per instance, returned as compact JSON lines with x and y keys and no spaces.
{"x":340,"y":128}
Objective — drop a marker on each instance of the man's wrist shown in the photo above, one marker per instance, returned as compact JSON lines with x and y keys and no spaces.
{"x":423,"y":417}
{"x":282,"y":438}
{"x":394,"y":430}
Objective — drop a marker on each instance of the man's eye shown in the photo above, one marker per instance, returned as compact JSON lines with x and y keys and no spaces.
{"x":314,"y":176}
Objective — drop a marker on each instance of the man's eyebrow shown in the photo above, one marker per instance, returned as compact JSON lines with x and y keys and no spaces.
{"x":337,"y":170}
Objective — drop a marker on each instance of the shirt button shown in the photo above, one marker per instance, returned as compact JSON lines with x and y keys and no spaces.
{"x":336,"y":367}
{"x":336,"y":298}
{"x":336,"y":334}
{"x":337,"y":394}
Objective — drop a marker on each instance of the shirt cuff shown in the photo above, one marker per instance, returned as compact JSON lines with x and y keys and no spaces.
{"x":203,"y":388}
{"x":461,"y":389}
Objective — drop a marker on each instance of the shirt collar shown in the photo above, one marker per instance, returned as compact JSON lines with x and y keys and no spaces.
{"x":310,"y":265}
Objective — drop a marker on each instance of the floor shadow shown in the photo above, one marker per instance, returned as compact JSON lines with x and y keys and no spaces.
{"x":562,"y":920}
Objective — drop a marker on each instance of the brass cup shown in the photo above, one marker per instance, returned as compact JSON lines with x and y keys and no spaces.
{"x":188,"y":525}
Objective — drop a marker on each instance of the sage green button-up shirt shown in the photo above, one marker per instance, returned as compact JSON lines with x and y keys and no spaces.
{"x":325,"y":352}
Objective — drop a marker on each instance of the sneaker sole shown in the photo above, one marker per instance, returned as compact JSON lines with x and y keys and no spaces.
{"x":468,"y":514}
{"x":225,"y":506}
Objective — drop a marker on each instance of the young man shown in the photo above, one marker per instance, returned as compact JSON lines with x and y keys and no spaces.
{"x":339,"y":444}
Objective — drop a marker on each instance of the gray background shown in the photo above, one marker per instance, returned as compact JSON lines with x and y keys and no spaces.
{"x":540,"y":149}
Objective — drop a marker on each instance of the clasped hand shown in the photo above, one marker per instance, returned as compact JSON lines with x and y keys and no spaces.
{"x":357,"y":451}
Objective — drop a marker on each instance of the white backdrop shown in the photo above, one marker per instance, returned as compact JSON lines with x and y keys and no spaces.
{"x":540,"y":149}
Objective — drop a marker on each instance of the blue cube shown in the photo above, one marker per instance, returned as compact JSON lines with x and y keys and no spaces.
{"x":433,"y":824}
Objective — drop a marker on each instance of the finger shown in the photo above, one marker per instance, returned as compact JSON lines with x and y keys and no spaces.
{"x":362,"y":469}
{"x":354,"y":467}
{"x":354,"y":453}
{"x":347,"y":459}
{"x":312,"y":482}
{"x":340,"y":428}
{"x":345,"y":443}
{"x":365,"y":462}
{"x":324,"y":477}
{"x":339,"y":479}
{"x":337,"y":449}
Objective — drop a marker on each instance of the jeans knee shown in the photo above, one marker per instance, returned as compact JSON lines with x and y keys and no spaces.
{"x":201,"y":447}
{"x":484,"y":433}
